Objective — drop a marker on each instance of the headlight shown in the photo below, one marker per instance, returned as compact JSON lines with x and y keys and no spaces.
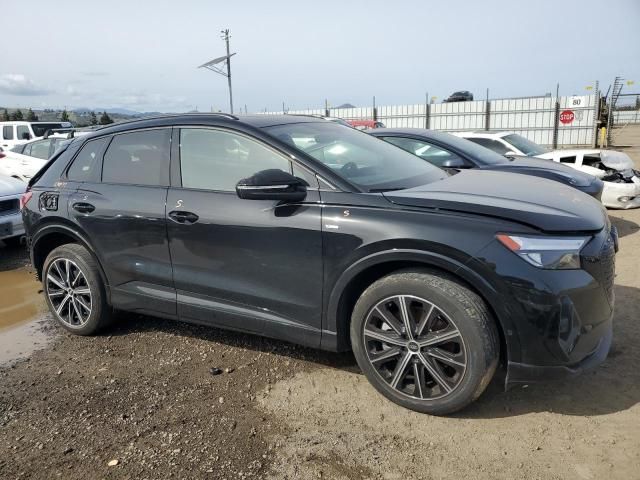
{"x":559,"y":253}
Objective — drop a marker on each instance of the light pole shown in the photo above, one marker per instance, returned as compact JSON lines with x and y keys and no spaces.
{"x":217,"y":65}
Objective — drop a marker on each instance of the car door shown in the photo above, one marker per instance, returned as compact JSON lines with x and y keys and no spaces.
{"x":121,"y":208}
{"x":253,"y":265}
{"x":8,"y":136}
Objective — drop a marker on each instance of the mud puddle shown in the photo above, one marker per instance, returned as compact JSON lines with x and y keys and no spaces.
{"x":22,"y":313}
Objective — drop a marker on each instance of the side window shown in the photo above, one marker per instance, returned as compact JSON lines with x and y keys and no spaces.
{"x":40,"y":149}
{"x":7,"y":132}
{"x":23,"y":133}
{"x":86,"y":166}
{"x":217,"y":160}
{"x":434,"y":155}
{"x":26,"y":150}
{"x":491,"y":145}
{"x":138,"y":158}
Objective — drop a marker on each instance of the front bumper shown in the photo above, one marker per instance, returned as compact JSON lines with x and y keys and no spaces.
{"x":621,"y":195}
{"x":522,"y":373}
{"x":554,"y":322}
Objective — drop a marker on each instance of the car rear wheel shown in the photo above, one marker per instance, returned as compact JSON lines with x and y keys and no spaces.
{"x":424,"y":341}
{"x":74,"y":290}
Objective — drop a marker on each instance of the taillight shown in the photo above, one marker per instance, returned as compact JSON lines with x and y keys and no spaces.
{"x":24,"y":199}
{"x":2,"y":155}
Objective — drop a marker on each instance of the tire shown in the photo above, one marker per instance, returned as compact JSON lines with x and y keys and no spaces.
{"x":86,"y":311}
{"x":451,"y":354}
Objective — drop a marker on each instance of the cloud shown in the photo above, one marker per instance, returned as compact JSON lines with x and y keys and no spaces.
{"x":95,"y":73}
{"x":18,"y":84}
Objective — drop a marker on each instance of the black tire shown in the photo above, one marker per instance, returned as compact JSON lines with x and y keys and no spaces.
{"x":99,"y":316}
{"x":450,"y":307}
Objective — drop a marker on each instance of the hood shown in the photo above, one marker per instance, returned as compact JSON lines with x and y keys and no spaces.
{"x":533,"y":165}
{"x":544,"y":204}
{"x":11,"y":186}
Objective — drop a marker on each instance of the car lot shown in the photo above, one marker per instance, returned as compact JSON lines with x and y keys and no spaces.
{"x":143,"y":394}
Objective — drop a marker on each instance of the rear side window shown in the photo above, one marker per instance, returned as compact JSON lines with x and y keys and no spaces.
{"x":139,"y":158}
{"x":40,"y":149}
{"x":86,"y":166}
{"x":7,"y":132}
{"x":23,"y":133}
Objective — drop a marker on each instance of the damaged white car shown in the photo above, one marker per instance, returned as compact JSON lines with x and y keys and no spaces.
{"x":615,"y":169}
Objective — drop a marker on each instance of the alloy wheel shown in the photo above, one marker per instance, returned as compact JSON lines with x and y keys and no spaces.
{"x":415,"y":347}
{"x":69,"y":293}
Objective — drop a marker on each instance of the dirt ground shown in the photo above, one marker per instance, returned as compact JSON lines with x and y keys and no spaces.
{"x":143,"y":397}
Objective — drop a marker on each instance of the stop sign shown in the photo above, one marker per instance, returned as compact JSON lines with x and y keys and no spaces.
{"x":567,"y":116}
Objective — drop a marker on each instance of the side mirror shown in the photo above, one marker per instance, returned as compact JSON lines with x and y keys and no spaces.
{"x":26,"y":136}
{"x":272,"y":184}
{"x":454,"y":162}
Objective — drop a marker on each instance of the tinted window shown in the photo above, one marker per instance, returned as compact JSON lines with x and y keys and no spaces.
{"x":40,"y":149}
{"x":217,"y":160}
{"x":86,"y":166}
{"x":23,"y":132}
{"x":7,"y":132}
{"x":491,"y":145}
{"x":366,"y":161}
{"x":139,"y":158}
{"x":39,"y":129}
{"x":307,"y":176}
{"x":434,"y":155}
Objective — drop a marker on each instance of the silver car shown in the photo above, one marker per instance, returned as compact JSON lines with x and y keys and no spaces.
{"x":11,"y":226}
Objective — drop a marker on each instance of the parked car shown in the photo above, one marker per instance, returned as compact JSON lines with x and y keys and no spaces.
{"x":17,"y":132}
{"x":449,"y":151}
{"x":365,"y":124}
{"x":615,"y":169}
{"x":343,"y":242}
{"x":11,"y":225}
{"x":461,"y":96}
{"x":24,"y":160}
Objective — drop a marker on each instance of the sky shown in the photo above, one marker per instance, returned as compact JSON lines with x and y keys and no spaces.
{"x":142,"y":55}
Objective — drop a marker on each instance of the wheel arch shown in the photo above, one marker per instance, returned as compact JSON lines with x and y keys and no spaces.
{"x":52,"y":236}
{"x":363,"y":273}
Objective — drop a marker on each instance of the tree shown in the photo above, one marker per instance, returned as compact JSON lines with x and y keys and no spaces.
{"x":93,"y":120}
{"x":17,"y":116}
{"x":64,"y":117}
{"x":31,"y":116}
{"x":5,"y":116}
{"x":105,"y":119}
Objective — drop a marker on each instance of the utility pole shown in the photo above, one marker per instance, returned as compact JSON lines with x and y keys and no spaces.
{"x":217,"y":65}
{"x":225,"y":36}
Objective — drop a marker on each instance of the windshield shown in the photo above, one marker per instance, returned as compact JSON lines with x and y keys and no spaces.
{"x":39,"y":129}
{"x":370,"y":163}
{"x":525,"y":145}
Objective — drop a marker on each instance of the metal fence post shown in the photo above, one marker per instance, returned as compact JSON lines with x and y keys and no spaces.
{"x":596,"y":116}
{"x":487,"y":121}
{"x":326,"y":108}
{"x":375,"y":110}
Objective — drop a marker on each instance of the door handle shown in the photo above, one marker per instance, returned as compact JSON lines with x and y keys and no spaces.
{"x":83,"y":207}
{"x":183,"y":217}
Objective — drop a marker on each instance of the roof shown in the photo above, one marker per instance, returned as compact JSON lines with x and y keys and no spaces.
{"x":258,"y":121}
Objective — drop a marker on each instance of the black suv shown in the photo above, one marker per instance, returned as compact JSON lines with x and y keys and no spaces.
{"x":305,"y":230}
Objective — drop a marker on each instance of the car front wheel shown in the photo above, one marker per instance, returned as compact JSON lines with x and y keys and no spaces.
{"x":425,"y":341}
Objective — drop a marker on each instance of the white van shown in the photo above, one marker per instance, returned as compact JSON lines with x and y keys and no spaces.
{"x":15,"y":133}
